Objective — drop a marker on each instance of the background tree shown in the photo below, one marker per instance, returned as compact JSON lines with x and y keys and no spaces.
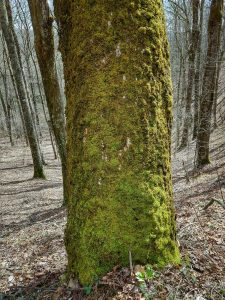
{"x":44,"y":45}
{"x":116,"y":67}
{"x":209,"y":80}
{"x":193,"y":46}
{"x":198,"y":68}
{"x":19,"y":81}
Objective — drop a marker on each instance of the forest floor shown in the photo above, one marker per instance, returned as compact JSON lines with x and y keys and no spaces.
{"x":32,"y":221}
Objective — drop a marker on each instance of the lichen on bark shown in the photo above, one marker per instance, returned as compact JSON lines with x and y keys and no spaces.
{"x":117,"y":75}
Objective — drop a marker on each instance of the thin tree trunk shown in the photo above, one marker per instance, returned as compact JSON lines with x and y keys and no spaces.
{"x":178,"y":108}
{"x":218,"y":69}
{"x":43,"y":105}
{"x":191,"y":72}
{"x":33,"y":97}
{"x":16,"y":67}
{"x":44,"y":45}
{"x":7,"y":114}
{"x":197,"y":79}
{"x":28,"y":54}
{"x":31,"y":104}
{"x":215,"y":95}
{"x":5,"y":54}
{"x":206,"y":104}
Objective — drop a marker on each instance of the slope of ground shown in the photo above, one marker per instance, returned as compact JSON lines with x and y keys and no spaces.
{"x":32,"y":220}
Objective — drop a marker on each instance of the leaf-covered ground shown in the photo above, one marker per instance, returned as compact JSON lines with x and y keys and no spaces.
{"x":32,"y":220}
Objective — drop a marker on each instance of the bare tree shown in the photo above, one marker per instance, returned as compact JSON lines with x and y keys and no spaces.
{"x":208,"y":89}
{"x":16,"y":68}
{"x":191,"y":71}
{"x":198,"y":77}
{"x":7,"y":113}
{"x":44,"y":45}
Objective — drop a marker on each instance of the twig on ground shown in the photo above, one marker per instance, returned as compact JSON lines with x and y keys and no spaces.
{"x":219,"y":201}
{"x":131,"y":264}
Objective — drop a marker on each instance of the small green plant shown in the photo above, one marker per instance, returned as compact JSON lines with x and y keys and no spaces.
{"x":63,"y":278}
{"x":142,"y":278}
{"x":87,"y":290}
{"x":222,"y":292}
{"x":149,"y":272}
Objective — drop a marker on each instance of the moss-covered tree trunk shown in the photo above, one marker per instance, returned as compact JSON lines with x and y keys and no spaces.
{"x":208,"y":88}
{"x":116,"y":67}
{"x":44,"y":45}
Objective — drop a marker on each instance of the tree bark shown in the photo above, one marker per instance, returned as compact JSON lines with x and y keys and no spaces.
{"x":12,"y":50}
{"x":191,"y":72}
{"x":206,"y":103}
{"x":44,"y":45}
{"x":217,"y":77}
{"x":118,"y":88}
{"x":198,"y":77}
{"x":9,"y":67}
{"x":7,"y":113}
{"x":19,"y":59}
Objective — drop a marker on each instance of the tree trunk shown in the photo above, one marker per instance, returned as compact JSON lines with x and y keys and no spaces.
{"x":32,"y":92}
{"x":44,"y":45}
{"x":7,"y":114}
{"x":33,"y":141}
{"x":39,"y":84}
{"x":215,"y":94}
{"x":206,"y":104}
{"x":27,"y":92}
{"x":198,"y":77}
{"x":9,"y":67}
{"x":191,"y":72}
{"x":118,"y":88}
{"x":28,"y":48}
{"x":218,"y":69}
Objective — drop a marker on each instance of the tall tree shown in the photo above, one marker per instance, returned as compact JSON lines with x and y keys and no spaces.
{"x":208,"y":89}
{"x":7,"y":114}
{"x":217,"y":77}
{"x":198,"y":77}
{"x":191,"y":71}
{"x":44,"y":45}
{"x":17,"y":72}
{"x":118,"y":88}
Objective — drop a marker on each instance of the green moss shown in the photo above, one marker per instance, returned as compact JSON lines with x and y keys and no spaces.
{"x":142,"y":30}
{"x":118,"y":91}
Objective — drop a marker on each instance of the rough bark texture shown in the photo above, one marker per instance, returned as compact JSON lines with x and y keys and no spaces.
{"x":206,"y":103}
{"x":8,"y":64}
{"x":7,"y":114}
{"x":191,"y":71}
{"x":44,"y":45}
{"x":198,"y":77}
{"x":217,"y":81}
{"x":118,"y":88}
{"x":33,"y":141}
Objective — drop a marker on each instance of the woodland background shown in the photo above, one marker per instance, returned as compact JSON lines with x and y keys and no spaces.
{"x":32,"y":215}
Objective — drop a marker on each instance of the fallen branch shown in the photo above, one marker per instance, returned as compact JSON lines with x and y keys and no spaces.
{"x":219,"y":201}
